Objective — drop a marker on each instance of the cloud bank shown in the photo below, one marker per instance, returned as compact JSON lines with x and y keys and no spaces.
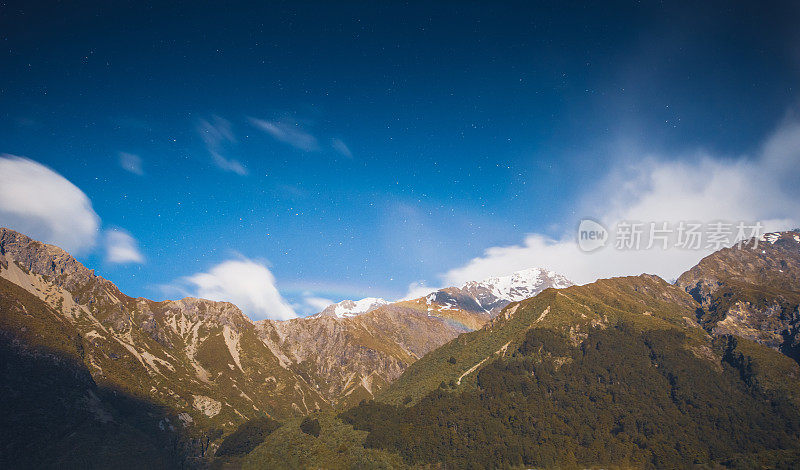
{"x":419,"y":289}
{"x":700,"y":187}
{"x":40,"y":203}
{"x":246,"y":283}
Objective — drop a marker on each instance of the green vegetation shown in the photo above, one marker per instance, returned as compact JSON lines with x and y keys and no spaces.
{"x":645,"y":302}
{"x":622,"y":397}
{"x":310,"y":426}
{"x":762,"y":367}
{"x":247,"y":437}
{"x":338,"y":446}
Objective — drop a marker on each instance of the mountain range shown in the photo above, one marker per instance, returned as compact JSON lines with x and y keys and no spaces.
{"x":93,"y":376}
{"x":205,"y":362}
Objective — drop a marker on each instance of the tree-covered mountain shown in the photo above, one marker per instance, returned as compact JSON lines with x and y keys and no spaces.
{"x":614,"y":373}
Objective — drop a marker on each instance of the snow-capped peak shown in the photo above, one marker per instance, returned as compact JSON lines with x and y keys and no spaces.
{"x":521,"y":284}
{"x":492,"y":294}
{"x":352,"y":308}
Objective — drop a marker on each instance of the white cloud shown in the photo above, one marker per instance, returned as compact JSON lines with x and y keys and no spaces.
{"x":40,"y":203}
{"x":341,"y":147}
{"x":217,"y":134}
{"x":703,"y":188}
{"x":121,"y":247}
{"x":419,"y":289}
{"x":248,"y":284}
{"x":288,"y":133}
{"x":316,"y":304}
{"x":131,"y":163}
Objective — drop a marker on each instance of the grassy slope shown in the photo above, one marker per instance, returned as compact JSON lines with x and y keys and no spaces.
{"x":646,"y":301}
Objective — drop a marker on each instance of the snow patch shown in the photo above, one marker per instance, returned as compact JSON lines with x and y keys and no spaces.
{"x":352,"y":308}
{"x":521,"y":284}
{"x":771,"y":238}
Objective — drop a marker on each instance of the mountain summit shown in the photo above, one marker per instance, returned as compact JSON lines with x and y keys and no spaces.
{"x":352,"y":308}
{"x":515,"y":286}
{"x":490,"y":295}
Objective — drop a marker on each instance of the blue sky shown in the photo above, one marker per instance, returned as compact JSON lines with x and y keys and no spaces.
{"x":355,"y":148}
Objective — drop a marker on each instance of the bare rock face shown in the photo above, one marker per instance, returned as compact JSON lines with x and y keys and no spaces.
{"x":349,"y":359}
{"x":751,"y":291}
{"x":766,"y":325}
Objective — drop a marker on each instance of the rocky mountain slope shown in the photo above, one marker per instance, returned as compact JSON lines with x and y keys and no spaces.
{"x":54,"y":413}
{"x":751,"y":291}
{"x":352,"y":358}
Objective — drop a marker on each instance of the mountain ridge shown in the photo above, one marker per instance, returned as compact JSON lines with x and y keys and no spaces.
{"x":209,"y":361}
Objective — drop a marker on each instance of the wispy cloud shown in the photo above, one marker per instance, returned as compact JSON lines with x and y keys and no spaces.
{"x":298,"y":136}
{"x":341,"y":147}
{"x":246,"y":283}
{"x":217,"y":134}
{"x":311,"y":304}
{"x":288,"y":133}
{"x":131,"y":163}
{"x":418,"y":289}
{"x":121,"y":247}
{"x":41,"y":203}
{"x":703,"y":188}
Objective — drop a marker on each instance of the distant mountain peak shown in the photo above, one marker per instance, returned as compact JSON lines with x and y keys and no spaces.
{"x":492,"y":294}
{"x":353,"y":308}
{"x":519,"y":285}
